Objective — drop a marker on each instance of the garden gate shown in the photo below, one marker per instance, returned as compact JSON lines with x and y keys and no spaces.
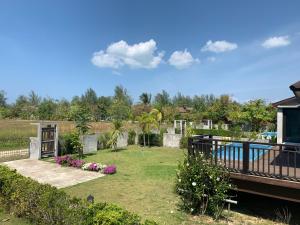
{"x":48,"y":141}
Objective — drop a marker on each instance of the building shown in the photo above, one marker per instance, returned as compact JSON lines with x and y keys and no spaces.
{"x":288,"y":117}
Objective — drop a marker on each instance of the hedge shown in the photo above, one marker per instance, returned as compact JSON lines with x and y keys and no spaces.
{"x":224,"y":133}
{"x":45,"y":204}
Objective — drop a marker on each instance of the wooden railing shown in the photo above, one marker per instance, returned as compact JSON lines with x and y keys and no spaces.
{"x":278,"y":161}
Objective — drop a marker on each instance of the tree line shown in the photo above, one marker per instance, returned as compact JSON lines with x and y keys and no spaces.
{"x":255,"y":114}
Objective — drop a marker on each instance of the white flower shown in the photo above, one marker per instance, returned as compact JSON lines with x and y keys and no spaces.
{"x":194,"y":184}
{"x":179,"y":180}
{"x":229,"y":185}
{"x":218,"y":178}
{"x":192,"y":209}
{"x":187,"y":164}
{"x":172,"y":211}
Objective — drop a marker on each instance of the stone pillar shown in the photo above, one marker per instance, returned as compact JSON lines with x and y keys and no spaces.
{"x":279,"y":126}
{"x":89,"y":143}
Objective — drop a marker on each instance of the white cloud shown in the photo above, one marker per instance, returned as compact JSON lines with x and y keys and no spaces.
{"x":118,"y":54}
{"x":211,"y":59}
{"x":219,"y":46}
{"x":274,"y":42}
{"x":182,"y":59}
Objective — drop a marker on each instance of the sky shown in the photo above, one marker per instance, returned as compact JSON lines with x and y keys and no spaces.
{"x":59,"y":48}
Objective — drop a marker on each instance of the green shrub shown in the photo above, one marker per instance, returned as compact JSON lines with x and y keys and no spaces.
{"x":131,"y":137}
{"x":40,"y":203}
{"x":104,"y":140}
{"x":69,"y":143}
{"x":114,"y":215}
{"x":202,"y":187}
{"x":154,"y":139}
{"x":44,"y":204}
{"x":65,"y":144}
{"x":183,"y":142}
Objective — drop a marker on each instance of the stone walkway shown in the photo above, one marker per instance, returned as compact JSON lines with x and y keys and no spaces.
{"x":51,"y":173}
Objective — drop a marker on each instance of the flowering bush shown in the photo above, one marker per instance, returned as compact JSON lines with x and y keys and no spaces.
{"x":78,"y":163}
{"x":93,"y":167}
{"x":110,"y":169}
{"x":69,"y":161}
{"x":202,"y":187}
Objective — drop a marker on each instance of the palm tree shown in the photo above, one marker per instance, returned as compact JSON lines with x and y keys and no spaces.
{"x":157,"y":115}
{"x":146,"y":122}
{"x":145,"y":98}
{"x":117,"y":132}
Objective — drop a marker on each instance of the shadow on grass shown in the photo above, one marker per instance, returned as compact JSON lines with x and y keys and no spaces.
{"x":268,"y":208}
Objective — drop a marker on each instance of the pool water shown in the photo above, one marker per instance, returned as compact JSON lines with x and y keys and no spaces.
{"x":235,"y":150}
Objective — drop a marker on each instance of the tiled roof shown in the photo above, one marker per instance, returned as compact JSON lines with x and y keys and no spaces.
{"x":293,"y":101}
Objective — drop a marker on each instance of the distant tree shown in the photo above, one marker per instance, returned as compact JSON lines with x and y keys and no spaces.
{"x":89,"y":97}
{"x":258,"y":114}
{"x":162,"y":100}
{"x":121,"y":95}
{"x":34,"y":99}
{"x":46,"y":109}
{"x":103,"y":105}
{"x":121,"y":106}
{"x":181,"y":100}
{"x":63,"y":110}
{"x":2,"y":99}
{"x":145,"y":98}
{"x":119,"y":111}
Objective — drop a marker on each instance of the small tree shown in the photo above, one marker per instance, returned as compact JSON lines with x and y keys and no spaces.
{"x":82,"y":123}
{"x":146,"y":122}
{"x":117,"y":132}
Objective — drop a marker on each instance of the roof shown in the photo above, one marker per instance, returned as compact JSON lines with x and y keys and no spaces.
{"x":184,"y":109}
{"x":292,"y":102}
{"x":295,"y":86}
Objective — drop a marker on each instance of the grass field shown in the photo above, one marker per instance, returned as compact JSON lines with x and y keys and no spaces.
{"x":144,"y":184}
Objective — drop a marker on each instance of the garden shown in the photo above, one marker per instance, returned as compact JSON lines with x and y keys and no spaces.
{"x":144,"y":183}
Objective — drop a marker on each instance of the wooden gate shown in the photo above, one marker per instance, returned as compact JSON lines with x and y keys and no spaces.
{"x":48,"y":141}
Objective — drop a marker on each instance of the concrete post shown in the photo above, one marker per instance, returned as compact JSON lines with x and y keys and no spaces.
{"x":279,"y":126}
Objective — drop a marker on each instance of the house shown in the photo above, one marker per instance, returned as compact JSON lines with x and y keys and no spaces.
{"x":288,"y":117}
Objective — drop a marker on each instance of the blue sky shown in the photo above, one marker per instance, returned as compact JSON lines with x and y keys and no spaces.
{"x":249,"y":49}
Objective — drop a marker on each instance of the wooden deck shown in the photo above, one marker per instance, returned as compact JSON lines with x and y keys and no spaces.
{"x":264,"y":169}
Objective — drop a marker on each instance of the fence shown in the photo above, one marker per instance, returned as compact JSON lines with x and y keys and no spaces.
{"x":13,"y":155}
{"x":268,"y":160}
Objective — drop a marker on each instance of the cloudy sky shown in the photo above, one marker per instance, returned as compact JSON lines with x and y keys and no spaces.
{"x":249,"y":49}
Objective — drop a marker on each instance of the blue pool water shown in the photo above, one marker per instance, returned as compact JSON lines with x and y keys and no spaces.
{"x":235,"y":151}
{"x":270,"y":134}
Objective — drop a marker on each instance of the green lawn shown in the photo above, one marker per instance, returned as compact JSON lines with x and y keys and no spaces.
{"x":144,"y":184}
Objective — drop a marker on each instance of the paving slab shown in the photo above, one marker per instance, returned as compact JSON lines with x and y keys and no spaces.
{"x":52,"y":173}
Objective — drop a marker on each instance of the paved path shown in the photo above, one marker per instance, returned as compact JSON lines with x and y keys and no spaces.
{"x":51,"y":173}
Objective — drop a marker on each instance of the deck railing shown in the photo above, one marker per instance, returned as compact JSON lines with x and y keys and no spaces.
{"x":278,"y":161}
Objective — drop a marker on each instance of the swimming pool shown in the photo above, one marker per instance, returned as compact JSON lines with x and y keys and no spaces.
{"x":235,"y":151}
